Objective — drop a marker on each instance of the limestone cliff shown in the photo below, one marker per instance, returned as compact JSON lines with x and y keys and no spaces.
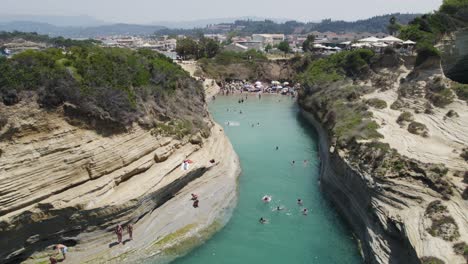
{"x":63,"y":183}
{"x":392,"y":161}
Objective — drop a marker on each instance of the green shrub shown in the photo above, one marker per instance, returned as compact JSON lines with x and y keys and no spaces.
{"x":405,"y":117}
{"x":442,"y":98}
{"x":431,"y":260}
{"x":417,"y":128}
{"x":461,"y":90}
{"x":377,"y":103}
{"x":426,"y":51}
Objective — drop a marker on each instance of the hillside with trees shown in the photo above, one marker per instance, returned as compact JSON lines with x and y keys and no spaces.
{"x":107,"y":87}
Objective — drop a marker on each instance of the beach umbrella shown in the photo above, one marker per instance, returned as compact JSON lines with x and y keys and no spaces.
{"x":379,"y":45}
{"x":369,"y":39}
{"x":391,"y":39}
{"x":409,"y":42}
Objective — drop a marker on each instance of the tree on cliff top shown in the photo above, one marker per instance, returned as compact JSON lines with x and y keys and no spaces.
{"x":308,"y":44}
{"x":284,"y":47}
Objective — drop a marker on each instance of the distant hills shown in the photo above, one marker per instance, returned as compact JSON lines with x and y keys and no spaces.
{"x":59,"y":21}
{"x":79,"y":32}
{"x":86,"y":27}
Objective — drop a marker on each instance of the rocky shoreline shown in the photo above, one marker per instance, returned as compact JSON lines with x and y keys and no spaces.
{"x":64,"y":184}
{"x":403,"y":201}
{"x":352,"y":193}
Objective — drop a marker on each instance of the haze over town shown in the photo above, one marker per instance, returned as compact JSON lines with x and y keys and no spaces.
{"x":151,"y":12}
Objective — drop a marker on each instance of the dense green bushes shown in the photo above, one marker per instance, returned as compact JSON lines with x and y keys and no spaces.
{"x":461,"y":90}
{"x":106,"y":83}
{"x":336,"y":67}
{"x":425,"y":52}
{"x":428,"y":29}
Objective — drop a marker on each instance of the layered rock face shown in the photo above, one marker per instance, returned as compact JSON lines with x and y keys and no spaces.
{"x":60,"y":183}
{"x":455,"y":56}
{"x":401,"y":192}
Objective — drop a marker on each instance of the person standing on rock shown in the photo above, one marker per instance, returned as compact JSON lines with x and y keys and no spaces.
{"x":62,"y":249}
{"x":130,"y":230}
{"x":119,"y":232}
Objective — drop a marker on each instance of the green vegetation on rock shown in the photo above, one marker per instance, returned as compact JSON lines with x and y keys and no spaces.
{"x":109,"y":85}
{"x":461,"y":90}
{"x":336,"y":67}
{"x":377,"y":103}
{"x":443,"y":225}
{"x":431,"y":260}
{"x":429,"y":28}
{"x":405,"y":117}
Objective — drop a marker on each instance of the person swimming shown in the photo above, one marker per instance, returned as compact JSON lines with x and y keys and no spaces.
{"x":262,"y":220}
{"x":266,"y":199}
{"x":304,"y":211}
{"x":277,"y":147}
{"x":293,"y":162}
{"x":299,"y":201}
{"x":279,"y":208}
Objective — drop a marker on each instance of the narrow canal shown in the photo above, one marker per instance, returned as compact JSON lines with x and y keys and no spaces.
{"x":289,"y":236}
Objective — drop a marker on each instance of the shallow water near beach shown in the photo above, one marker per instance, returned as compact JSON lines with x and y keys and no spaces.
{"x":289,"y":236}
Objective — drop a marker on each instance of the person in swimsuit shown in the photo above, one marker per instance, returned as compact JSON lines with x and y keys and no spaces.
{"x":262,"y":220}
{"x":299,"y":201}
{"x":130,"y":231}
{"x":304,"y":211}
{"x":62,"y":249}
{"x":119,"y":232}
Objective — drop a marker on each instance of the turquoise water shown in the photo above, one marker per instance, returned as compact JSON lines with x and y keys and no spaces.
{"x":289,"y":236}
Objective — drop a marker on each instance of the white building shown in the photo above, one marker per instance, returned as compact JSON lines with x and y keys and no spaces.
{"x":265,"y":39}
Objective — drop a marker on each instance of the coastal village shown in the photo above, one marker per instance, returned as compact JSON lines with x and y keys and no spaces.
{"x":325,"y":43}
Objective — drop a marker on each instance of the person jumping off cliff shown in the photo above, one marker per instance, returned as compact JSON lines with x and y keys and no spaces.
{"x":119,"y":232}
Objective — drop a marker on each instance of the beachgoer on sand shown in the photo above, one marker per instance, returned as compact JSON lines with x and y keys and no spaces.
{"x":130,"y":231}
{"x":119,"y":232}
{"x":62,"y":249}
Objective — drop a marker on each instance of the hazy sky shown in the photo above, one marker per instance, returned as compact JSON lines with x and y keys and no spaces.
{"x":147,"y":11}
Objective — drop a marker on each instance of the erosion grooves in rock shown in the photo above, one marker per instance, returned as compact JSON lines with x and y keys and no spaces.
{"x":63,"y":184}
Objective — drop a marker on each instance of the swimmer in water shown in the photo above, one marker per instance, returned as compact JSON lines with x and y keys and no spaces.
{"x":293,"y":162}
{"x":240,"y":112}
{"x":262,"y":220}
{"x":299,"y":201}
{"x":277,"y":147}
{"x":266,"y":199}
{"x":278,"y":208}
{"x":305,"y":162}
{"x":304,"y":211}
